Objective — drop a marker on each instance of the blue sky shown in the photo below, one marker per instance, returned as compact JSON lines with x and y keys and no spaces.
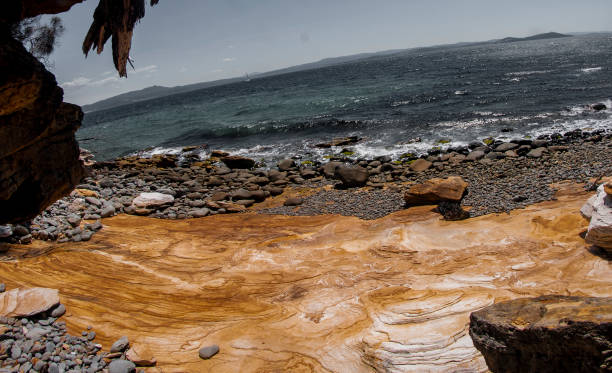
{"x":189,"y":41}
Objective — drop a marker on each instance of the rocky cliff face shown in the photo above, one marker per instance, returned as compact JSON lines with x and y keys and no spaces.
{"x":39,"y":155}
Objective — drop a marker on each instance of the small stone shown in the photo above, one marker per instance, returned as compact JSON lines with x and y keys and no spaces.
{"x":58,"y":311}
{"x":121,"y":366}
{"x":120,"y":344}
{"x":293,"y":201}
{"x":208,"y":351}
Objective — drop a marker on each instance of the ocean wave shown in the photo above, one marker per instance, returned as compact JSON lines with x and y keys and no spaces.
{"x":589,"y":70}
{"x":525,"y":73}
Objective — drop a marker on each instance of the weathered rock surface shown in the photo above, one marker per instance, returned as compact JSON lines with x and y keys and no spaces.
{"x":436,"y":190}
{"x":39,"y":156}
{"x":312,"y":293}
{"x":598,"y":210}
{"x":27,"y":302}
{"x":545,"y":334}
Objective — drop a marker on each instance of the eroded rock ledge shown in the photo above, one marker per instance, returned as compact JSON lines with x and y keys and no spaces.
{"x":39,"y":156}
{"x":545,"y":334}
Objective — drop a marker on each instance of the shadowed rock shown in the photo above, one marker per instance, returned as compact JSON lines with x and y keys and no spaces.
{"x":39,"y":156}
{"x":545,"y":334}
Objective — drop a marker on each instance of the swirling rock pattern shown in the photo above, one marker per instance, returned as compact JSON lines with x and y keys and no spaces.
{"x":313,"y":294}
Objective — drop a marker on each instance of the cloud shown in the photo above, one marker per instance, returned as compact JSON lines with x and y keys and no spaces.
{"x":229,"y":59}
{"x":182,"y":69}
{"x":145,"y":69}
{"x":104,"y":81}
{"x":76,"y":82}
{"x":217,"y":71}
{"x":304,"y":37}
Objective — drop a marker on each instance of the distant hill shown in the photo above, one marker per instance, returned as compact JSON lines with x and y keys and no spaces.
{"x":159,"y":91}
{"x":548,"y":35}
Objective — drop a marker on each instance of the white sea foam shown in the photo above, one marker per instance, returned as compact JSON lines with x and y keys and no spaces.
{"x":589,"y":70}
{"x":525,"y":73}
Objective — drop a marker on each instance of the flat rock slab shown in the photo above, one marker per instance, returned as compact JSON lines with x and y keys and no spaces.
{"x":545,"y":334}
{"x":27,"y":302}
{"x":152,"y":200}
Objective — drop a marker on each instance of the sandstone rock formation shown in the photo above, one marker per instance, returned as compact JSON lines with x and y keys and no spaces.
{"x":27,"y":302}
{"x":598,"y":210}
{"x":39,"y":156}
{"x":436,"y":190}
{"x":312,"y":293}
{"x":545,"y":334}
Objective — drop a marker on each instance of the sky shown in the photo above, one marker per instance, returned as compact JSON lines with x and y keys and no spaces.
{"x":189,"y":41}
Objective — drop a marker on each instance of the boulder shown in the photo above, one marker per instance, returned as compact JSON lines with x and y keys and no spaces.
{"x":420,"y":165}
{"x":152,"y":201}
{"x":545,"y":334}
{"x":39,"y":155}
{"x":27,"y":302}
{"x":598,"y":107}
{"x":236,"y":161}
{"x":537,"y":152}
{"x":598,"y":210}
{"x":506,"y":146}
{"x":436,"y":190}
{"x":286,"y":164}
{"x":352,"y":176}
{"x":343,"y":141}
{"x":329,"y":169}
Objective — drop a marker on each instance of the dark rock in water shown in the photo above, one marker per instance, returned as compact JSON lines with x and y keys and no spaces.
{"x":286,"y":164}
{"x":340,"y":142}
{"x":208,"y":351}
{"x":352,"y":176}
{"x":545,"y":334}
{"x":293,"y":201}
{"x":599,"y":107}
{"x":452,"y":211}
{"x":236,"y":161}
{"x":39,"y":156}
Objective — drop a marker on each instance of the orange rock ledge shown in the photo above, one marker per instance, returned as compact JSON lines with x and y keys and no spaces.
{"x":312,"y":294}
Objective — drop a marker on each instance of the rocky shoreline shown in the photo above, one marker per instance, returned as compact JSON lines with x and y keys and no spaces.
{"x":502,"y":176}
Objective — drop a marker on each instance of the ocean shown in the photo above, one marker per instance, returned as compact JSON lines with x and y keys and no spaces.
{"x":442,"y":96}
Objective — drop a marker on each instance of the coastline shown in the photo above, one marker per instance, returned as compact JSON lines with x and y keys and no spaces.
{"x":502,"y":176}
